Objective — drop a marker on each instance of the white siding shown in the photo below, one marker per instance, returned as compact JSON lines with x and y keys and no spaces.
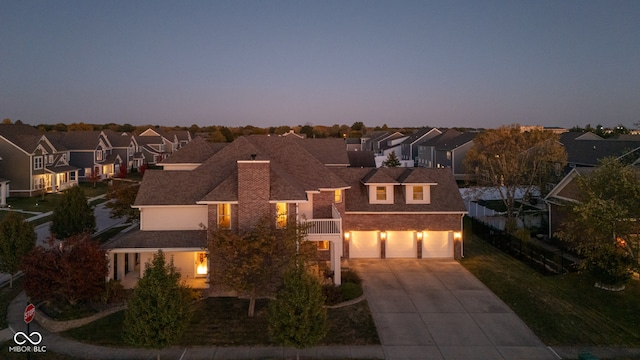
{"x":173,"y":218}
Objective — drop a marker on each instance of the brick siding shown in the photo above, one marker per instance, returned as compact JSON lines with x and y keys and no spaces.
{"x":253,"y":193}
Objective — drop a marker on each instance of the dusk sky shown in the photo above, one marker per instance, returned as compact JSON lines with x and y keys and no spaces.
{"x":269,"y":63}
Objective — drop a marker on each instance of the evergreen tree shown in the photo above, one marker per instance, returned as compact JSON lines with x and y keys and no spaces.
{"x":392,"y":160}
{"x":159,"y":310}
{"x":73,"y":215}
{"x":297,"y":316}
{"x":17,"y":239}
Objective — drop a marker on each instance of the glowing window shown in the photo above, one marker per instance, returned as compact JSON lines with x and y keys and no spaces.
{"x":323,"y":245}
{"x":281,"y":215}
{"x":381,"y":193}
{"x":337,"y":197}
{"x":418,"y":193}
{"x":224,"y":216}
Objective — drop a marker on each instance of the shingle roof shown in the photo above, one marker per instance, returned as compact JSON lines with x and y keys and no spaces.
{"x":588,"y":152}
{"x":416,"y":135}
{"x":24,"y":136}
{"x":118,"y":139}
{"x":445,"y":196}
{"x":195,"y":152}
{"x":361,"y":159}
{"x":449,"y":140}
{"x":196,"y":239}
{"x":293,"y":172}
{"x":329,"y":151}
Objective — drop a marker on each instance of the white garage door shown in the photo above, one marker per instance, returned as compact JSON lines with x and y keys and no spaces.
{"x":364,"y":244}
{"x":401,"y":244}
{"x":437,"y":244}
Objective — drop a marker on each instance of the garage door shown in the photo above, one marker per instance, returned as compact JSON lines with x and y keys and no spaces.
{"x":437,"y":244}
{"x":401,"y":244}
{"x":364,"y":244}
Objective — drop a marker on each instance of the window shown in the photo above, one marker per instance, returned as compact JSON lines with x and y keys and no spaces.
{"x":38,"y":183}
{"x":381,"y":193}
{"x":323,"y":245}
{"x":99,"y":155}
{"x":337,"y":196}
{"x":37,"y":162}
{"x":224,"y":216}
{"x":418,"y":193}
{"x":448,"y":155}
{"x":72,"y":176}
{"x":281,"y":215}
{"x":50,"y":160}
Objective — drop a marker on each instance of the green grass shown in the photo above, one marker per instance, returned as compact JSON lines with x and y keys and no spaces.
{"x":561,"y":310}
{"x":224,"y":322}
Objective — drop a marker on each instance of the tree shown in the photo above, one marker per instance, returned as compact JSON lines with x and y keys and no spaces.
{"x":73,"y":270}
{"x":511,"y":161}
{"x":392,"y":160}
{"x":307,"y":130}
{"x":17,"y":239}
{"x":122,"y":171}
{"x":93,"y":177}
{"x":603,"y":226}
{"x":159,"y":309}
{"x":297,"y":316}
{"x":121,"y":196}
{"x":72,"y":215}
{"x":254,"y":262}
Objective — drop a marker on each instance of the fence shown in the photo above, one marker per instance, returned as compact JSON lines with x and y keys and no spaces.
{"x":540,"y":258}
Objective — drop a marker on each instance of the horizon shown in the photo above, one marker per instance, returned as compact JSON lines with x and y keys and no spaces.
{"x":406,"y":64}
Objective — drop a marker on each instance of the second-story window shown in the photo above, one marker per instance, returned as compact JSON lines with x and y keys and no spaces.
{"x":418,"y":193}
{"x":99,"y":155}
{"x":281,"y":215}
{"x":381,"y":193}
{"x":224,"y":216}
{"x":337,"y":196}
{"x":37,"y":162}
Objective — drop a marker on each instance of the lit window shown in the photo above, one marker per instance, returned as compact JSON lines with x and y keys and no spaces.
{"x":201,"y":261}
{"x":224,"y":216}
{"x":418,"y":193}
{"x":337,"y":197}
{"x":281,"y":215}
{"x":37,"y":162}
{"x":98,"y":155}
{"x":381,"y":193}
{"x":323,"y":245}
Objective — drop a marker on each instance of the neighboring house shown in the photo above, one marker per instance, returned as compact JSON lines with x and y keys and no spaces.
{"x":351,"y":212}
{"x":190,"y":157}
{"x":354,"y":144}
{"x":171,"y":140}
{"x":361,"y":159}
{"x":32,"y":163}
{"x":378,"y":140}
{"x":409,"y":147}
{"x":565,"y":193}
{"x":446,"y":150}
{"x":586,"y":149}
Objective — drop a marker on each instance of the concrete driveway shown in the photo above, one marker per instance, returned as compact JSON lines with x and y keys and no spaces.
{"x":435,"y":309}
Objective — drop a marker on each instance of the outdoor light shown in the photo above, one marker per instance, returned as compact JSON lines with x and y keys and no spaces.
{"x":419,"y":235}
{"x":347,"y":235}
{"x":457,"y":235}
{"x":383,"y":235}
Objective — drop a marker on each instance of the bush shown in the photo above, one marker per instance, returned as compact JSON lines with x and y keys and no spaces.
{"x":350,"y":291}
{"x":611,"y":266}
{"x":352,"y":277}
{"x":114,"y":292}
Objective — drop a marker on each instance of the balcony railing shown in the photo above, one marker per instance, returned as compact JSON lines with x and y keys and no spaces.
{"x":323,"y":226}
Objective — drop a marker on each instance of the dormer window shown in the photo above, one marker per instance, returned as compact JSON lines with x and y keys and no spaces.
{"x":99,"y":155}
{"x":418,"y":194}
{"x":381,"y":194}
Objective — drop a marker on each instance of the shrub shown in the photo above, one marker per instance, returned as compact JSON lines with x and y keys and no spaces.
{"x":350,"y":291}
{"x":350,"y":276}
{"x":332,"y":294}
{"x":113,"y":292}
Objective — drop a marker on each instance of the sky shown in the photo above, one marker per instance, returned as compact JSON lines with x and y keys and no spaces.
{"x":270,"y":63}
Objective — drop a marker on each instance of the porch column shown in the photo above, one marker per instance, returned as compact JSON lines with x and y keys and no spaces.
{"x":120,"y":269}
{"x":3,"y":194}
{"x":54,"y":182}
{"x":109,"y":256}
{"x":131,"y":261}
{"x":336,"y":266}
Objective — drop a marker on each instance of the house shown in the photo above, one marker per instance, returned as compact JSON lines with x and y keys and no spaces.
{"x":33,"y":163}
{"x":377,"y":140}
{"x":351,"y":212}
{"x":446,"y":150}
{"x":4,"y":191}
{"x":586,"y":149}
{"x":159,"y":143}
{"x":409,"y":147}
{"x":190,"y":157}
{"x":565,"y":193}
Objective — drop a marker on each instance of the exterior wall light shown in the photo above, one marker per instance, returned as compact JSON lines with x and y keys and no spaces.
{"x":457,"y":235}
{"x":347,"y":235}
{"x":383,"y":235}
{"x":419,"y":235}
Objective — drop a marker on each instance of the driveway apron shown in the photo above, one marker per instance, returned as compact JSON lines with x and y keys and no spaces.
{"x":436,"y":309}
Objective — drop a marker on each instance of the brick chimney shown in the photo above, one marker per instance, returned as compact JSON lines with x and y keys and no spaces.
{"x":253,"y":191}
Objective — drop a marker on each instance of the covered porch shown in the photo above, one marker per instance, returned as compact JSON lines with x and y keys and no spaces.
{"x":328,"y":235}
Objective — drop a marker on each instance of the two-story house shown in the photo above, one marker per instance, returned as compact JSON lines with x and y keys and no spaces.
{"x":32,"y":163}
{"x":446,"y":150}
{"x":350,"y":212}
{"x":409,"y":147}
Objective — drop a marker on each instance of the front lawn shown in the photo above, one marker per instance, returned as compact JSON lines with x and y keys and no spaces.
{"x":224,"y":322}
{"x":560,"y":309}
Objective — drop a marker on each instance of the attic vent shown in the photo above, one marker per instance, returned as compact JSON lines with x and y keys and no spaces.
{"x":253,"y":156}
